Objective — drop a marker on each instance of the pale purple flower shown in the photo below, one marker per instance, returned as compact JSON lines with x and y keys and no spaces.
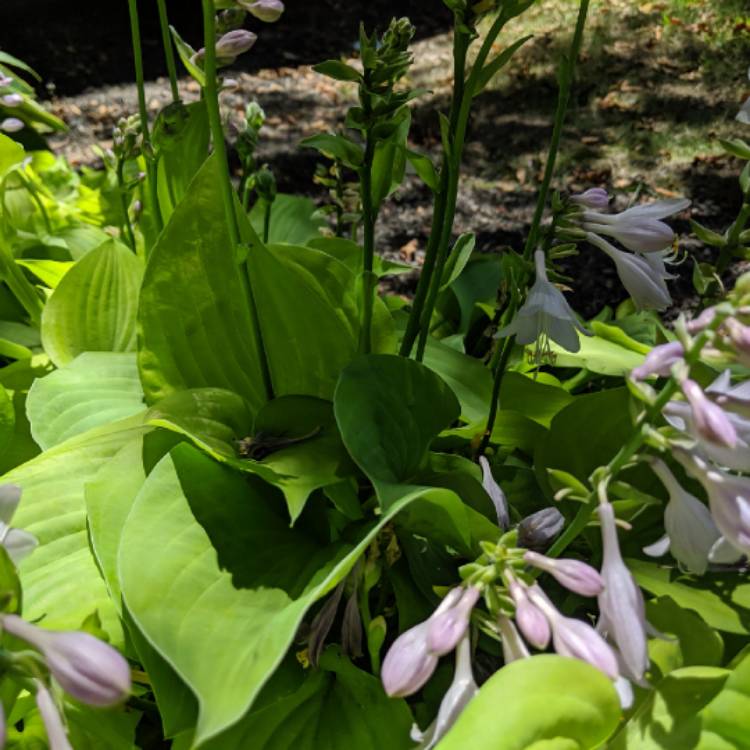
{"x":448,"y":627}
{"x":268,"y":11}
{"x":711,"y":422}
{"x":409,"y":663}
{"x":85,"y":667}
{"x":461,"y":691}
{"x":575,"y":638}
{"x":545,"y":314}
{"x":57,"y":738}
{"x":529,"y":618}
{"x":691,"y":531}
{"x":18,"y":544}
{"x":641,"y":280}
{"x":702,"y":321}
{"x":229,"y":47}
{"x":597,"y":199}
{"x":493,"y":489}
{"x":575,"y":575}
{"x":621,"y":602}
{"x":11,"y":100}
{"x":659,"y":361}
{"x":728,"y":498}
{"x":11,"y":125}
{"x":5,"y":81}
{"x":513,"y":646}
{"x":739,"y":335}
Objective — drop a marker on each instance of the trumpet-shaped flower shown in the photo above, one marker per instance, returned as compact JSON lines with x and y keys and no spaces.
{"x":728,"y":498}
{"x":461,"y":691}
{"x":545,"y":314}
{"x":646,"y":287}
{"x":621,"y":604}
{"x":710,"y":420}
{"x":691,"y":531}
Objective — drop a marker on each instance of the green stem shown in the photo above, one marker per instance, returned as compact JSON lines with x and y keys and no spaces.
{"x":135,"y":31}
{"x":733,"y":236}
{"x":368,"y":226}
{"x":166,"y":39}
{"x":498,"y":368}
{"x":211,"y":97}
{"x":34,"y":193}
{"x":566,"y":83}
{"x":626,"y":452}
{"x":124,"y":204}
{"x":267,"y":222}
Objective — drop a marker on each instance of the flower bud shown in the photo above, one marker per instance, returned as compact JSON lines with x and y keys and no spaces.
{"x":530,"y":619}
{"x":57,"y":739}
{"x":268,"y":11}
{"x":596,"y":199}
{"x":739,"y":335}
{"x":538,"y":530}
{"x":11,"y":100}
{"x":710,"y":420}
{"x":5,"y":80}
{"x":409,"y":663}
{"x":233,"y":44}
{"x":659,"y":361}
{"x":493,"y":489}
{"x":86,"y":668}
{"x":575,"y":575}
{"x":11,"y":125}
{"x":702,"y":321}
{"x":447,"y":628}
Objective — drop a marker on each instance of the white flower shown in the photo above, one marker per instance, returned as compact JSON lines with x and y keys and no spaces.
{"x":462,"y":690}
{"x":691,"y":532}
{"x":643,"y":282}
{"x":743,"y":115}
{"x":18,"y":543}
{"x":545,"y":314}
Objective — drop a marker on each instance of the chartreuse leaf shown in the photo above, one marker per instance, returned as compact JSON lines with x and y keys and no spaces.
{"x":11,"y":153}
{"x":337,"y":707}
{"x":293,"y":219}
{"x":694,"y":708}
{"x":220,"y":588}
{"x":546,"y":701}
{"x":93,"y":308}
{"x":194,"y":315}
{"x":389,"y":409}
{"x":61,"y":582}
{"x":7,"y":419}
{"x":722,"y":600}
{"x":96,"y":388}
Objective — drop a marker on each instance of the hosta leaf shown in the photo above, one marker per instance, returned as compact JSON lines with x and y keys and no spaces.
{"x":546,"y":701}
{"x":221,"y":599}
{"x":389,"y":409}
{"x":293,"y":219}
{"x":93,"y":308}
{"x":61,"y":582}
{"x":94,"y":389}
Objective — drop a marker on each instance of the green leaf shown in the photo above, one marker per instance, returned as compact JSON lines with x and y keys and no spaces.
{"x":338,"y":70}
{"x":49,"y":272}
{"x":194,"y":317}
{"x":706,"y":235}
{"x":736,"y":146}
{"x":534,"y":399}
{"x":424,"y":167}
{"x":493,"y":67}
{"x":350,"y":254}
{"x":223,"y":632}
{"x":94,"y":306}
{"x":695,"y":708}
{"x":722,"y":600}
{"x":7,"y":419}
{"x":389,"y":162}
{"x":389,"y":409}
{"x":541,"y":702}
{"x":61,"y":581}
{"x":186,"y":52}
{"x":459,"y":256}
{"x":10,"y":585}
{"x":351,"y":710}
{"x":600,"y":355}
{"x":336,"y":146}
{"x":293,"y":219}
{"x":11,"y":153}
{"x":96,"y":388}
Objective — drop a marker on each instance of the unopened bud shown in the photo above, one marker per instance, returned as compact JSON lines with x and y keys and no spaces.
{"x":659,"y":361}
{"x":538,"y":530}
{"x":233,"y":44}
{"x":11,"y":125}
{"x":409,"y":663}
{"x":11,"y":100}
{"x":575,"y":575}
{"x":447,"y":628}
{"x":268,"y":11}
{"x":710,"y":420}
{"x":530,"y":619}
{"x":596,"y":199}
{"x":86,"y":668}
{"x":696,"y":325}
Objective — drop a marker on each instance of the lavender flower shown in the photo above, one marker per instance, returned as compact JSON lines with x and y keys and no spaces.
{"x":462,"y":690}
{"x":691,"y":532}
{"x":702,"y":321}
{"x":229,"y":47}
{"x":57,"y":738}
{"x":728,"y":498}
{"x":545,"y":314}
{"x":268,"y":11}
{"x":576,"y":638}
{"x":597,"y":199}
{"x":18,"y":544}
{"x":513,"y":646}
{"x":11,"y":125}
{"x":86,"y":668}
{"x":493,"y":489}
{"x":621,"y":602}
{"x":575,"y":575}
{"x":448,"y":627}
{"x":711,"y":421}
{"x":659,"y":361}
{"x":530,"y":619}
{"x":641,"y":280}
{"x":11,"y":100}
